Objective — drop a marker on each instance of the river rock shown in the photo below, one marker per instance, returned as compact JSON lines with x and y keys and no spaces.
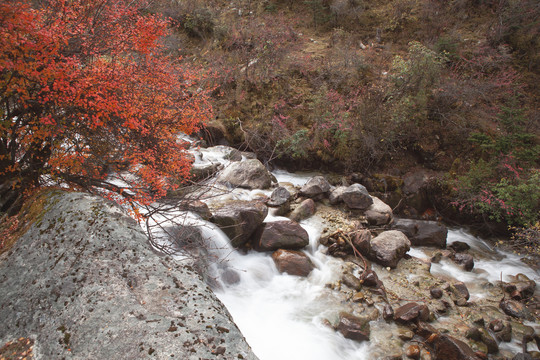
{"x":283,"y":234}
{"x":389,"y":247}
{"x":423,"y":233}
{"x":465,"y":260}
{"x":292,"y":262}
{"x":317,"y":187}
{"x":336,"y":195}
{"x":516,"y":309}
{"x":378,"y":213}
{"x":356,"y":196}
{"x":361,"y":239}
{"x":413,"y":352}
{"x":446,"y":347}
{"x":490,"y":342}
{"x":84,"y":283}
{"x":411,"y":312}
{"x":459,"y":290}
{"x":459,"y":246}
{"x":304,"y":210}
{"x":351,"y":281}
{"x":279,"y":197}
{"x":204,"y":171}
{"x":197,"y":207}
{"x":250,"y":174}
{"x":521,"y":287}
{"x":353,"y":327}
{"x":239,"y":219}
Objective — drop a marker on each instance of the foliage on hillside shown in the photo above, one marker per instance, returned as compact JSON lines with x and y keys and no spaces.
{"x":370,"y":86}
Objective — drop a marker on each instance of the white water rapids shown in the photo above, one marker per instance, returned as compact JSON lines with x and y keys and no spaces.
{"x":283,"y":316}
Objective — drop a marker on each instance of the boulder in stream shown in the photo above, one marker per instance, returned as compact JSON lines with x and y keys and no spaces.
{"x":378,"y":213}
{"x":422,"y":232}
{"x":411,"y":312}
{"x":446,"y":347}
{"x":239,"y":219}
{"x":283,"y":234}
{"x":279,"y":197}
{"x":356,"y":196}
{"x":316,"y":187}
{"x":389,"y":247}
{"x":250,"y":174}
{"x":304,"y":210}
{"x":292,"y":262}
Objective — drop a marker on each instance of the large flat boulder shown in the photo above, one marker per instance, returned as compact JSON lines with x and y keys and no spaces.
{"x":250,"y":174}
{"x":84,"y":283}
{"x":239,"y":219}
{"x":422,"y":232}
{"x":283,"y":234}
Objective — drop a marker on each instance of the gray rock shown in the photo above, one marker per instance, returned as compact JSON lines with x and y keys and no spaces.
{"x":292,"y":262}
{"x":197,"y":207}
{"x":84,"y":283}
{"x":356,"y":196}
{"x":316,"y":187}
{"x":204,"y":171}
{"x":423,"y":233}
{"x":378,"y":213}
{"x":239,"y":219}
{"x":280,"y":235}
{"x":249,"y":174}
{"x":304,"y":210}
{"x":279,"y":197}
{"x":516,"y":309}
{"x":389,"y":247}
{"x":466,"y":260}
{"x":336,"y":195}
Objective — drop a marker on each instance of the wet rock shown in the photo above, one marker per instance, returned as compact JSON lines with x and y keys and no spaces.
{"x":436,"y":292}
{"x":521,"y":288}
{"x":351,"y":281}
{"x":336,"y":195}
{"x":304,"y":210}
{"x":389,"y":247}
{"x":465,"y":260}
{"x":233,"y":155}
{"x":230,"y":277}
{"x":446,"y":347}
{"x":413,"y":352}
{"x":250,"y":174}
{"x":204,"y":171}
{"x":280,"y":235}
{"x":522,"y":356}
{"x":361,"y":239}
{"x":459,"y":290}
{"x":370,"y":278}
{"x":197,"y":207}
{"x":459,"y":246}
{"x":405,"y":334}
{"x":292,"y":262}
{"x":516,"y":309}
{"x":439,"y":255}
{"x":239,"y":219}
{"x":491,"y":343}
{"x":502,"y":331}
{"x":378,"y":213}
{"x":93,"y":288}
{"x":388,"y":312}
{"x":353,"y":327}
{"x":317,"y":187}
{"x":279,"y":197}
{"x":411,"y":312}
{"x":423,"y":233}
{"x":356,"y":196}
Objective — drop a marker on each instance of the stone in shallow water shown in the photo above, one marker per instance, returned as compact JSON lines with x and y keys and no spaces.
{"x":304,"y":210}
{"x":411,"y":312}
{"x":292,"y":262}
{"x":280,"y":235}
{"x":279,"y":196}
{"x":353,"y":327}
{"x":389,"y":247}
{"x":356,"y":196}
{"x":316,"y":187}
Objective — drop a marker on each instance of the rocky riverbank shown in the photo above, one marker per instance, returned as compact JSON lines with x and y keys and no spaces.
{"x":387,"y":296}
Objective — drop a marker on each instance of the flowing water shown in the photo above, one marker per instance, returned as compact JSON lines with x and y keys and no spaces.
{"x":283,"y":316}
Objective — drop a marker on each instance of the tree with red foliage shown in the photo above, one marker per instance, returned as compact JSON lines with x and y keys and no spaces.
{"x":88,"y":97}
